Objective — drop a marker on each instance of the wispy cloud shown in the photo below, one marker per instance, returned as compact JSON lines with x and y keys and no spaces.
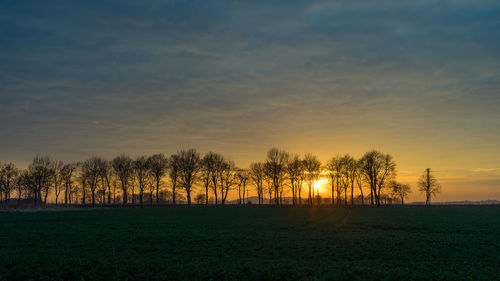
{"x":486,"y":170}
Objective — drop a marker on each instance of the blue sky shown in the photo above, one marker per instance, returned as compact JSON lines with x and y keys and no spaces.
{"x":417,"y":79}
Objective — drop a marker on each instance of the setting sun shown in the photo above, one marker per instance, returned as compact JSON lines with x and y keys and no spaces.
{"x":320,"y":184}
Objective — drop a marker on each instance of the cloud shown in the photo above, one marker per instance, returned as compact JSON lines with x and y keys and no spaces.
{"x":486,"y":170}
{"x":100,"y":77}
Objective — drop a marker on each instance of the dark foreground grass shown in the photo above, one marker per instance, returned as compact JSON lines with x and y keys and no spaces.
{"x":448,"y":243}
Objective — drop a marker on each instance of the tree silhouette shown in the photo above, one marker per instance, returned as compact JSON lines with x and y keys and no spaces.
{"x":141,"y":169}
{"x":228,"y":178}
{"x":210,"y":165}
{"x":57,"y":178}
{"x":67,"y":172}
{"x":350,"y":172}
{"x":429,"y":185}
{"x":312,"y":168}
{"x":123,"y":168}
{"x":275,"y":168}
{"x":91,"y":175}
{"x":359,"y":181}
{"x":40,"y":172}
{"x":106,"y":174}
{"x":189,"y":166}
{"x":8,"y":180}
{"x":242,"y":176}
{"x":296,"y":174}
{"x":400,"y":190}
{"x":158,"y":165}
{"x":257,"y":174}
{"x":174,"y":172}
{"x":377,"y":168}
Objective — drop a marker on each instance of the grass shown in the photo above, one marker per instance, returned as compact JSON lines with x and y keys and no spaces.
{"x":235,"y":243}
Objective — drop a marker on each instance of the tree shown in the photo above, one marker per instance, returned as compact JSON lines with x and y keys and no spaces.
{"x":57,"y":178}
{"x":24,"y":182}
{"x":242,"y":176}
{"x":257,"y":175}
{"x":8,"y":180}
{"x":359,"y":181}
{"x":141,"y":169}
{"x":106,"y":175}
{"x":377,"y":168}
{"x":173,"y":172}
{"x":40,"y":173}
{"x":123,"y":167}
{"x":312,"y":168}
{"x":210,"y":165}
{"x":333,"y":168}
{"x":429,"y":185}
{"x":400,"y":190}
{"x":150,"y":182}
{"x":158,"y":166}
{"x":189,"y":166}
{"x":275,"y":167}
{"x":352,"y":171}
{"x":228,"y":178}
{"x":67,"y":172}
{"x":91,"y":174}
{"x":295,"y":170}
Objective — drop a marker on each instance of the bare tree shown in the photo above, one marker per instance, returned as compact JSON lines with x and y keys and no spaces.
{"x":158,"y":165}
{"x":377,"y":168}
{"x":258,"y":176}
{"x":312,"y":168}
{"x":91,"y":174}
{"x":353,"y":173}
{"x":67,"y":172}
{"x":189,"y":166}
{"x":359,"y":181}
{"x":228,"y":178}
{"x":24,"y":182}
{"x":210,"y":165}
{"x":174,"y":173}
{"x":333,"y":172}
{"x":141,"y":170}
{"x":57,"y":178}
{"x":429,"y":185}
{"x":242,"y":176}
{"x":40,"y":172}
{"x":8,"y":179}
{"x":150,"y":181}
{"x":123,"y":167}
{"x":296,"y":174}
{"x":275,"y":167}
{"x":106,"y":175}
{"x":400,"y":190}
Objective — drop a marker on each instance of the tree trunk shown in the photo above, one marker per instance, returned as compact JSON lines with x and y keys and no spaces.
{"x":352,"y":193}
{"x":173,"y":193}
{"x":188,"y":195}
{"x":157,"y":191}
{"x":141,"y":193}
{"x":124,"y":199}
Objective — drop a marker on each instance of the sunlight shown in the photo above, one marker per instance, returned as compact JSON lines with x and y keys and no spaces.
{"x":319,"y":184}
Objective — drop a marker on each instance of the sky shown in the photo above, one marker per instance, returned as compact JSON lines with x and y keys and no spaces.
{"x":419,"y":80}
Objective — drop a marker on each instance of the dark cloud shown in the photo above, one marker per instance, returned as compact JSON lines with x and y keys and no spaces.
{"x":99,"y":77}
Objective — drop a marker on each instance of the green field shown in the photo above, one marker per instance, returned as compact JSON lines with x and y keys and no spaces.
{"x":440,"y":243}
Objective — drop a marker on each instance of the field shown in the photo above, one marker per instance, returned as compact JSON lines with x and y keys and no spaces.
{"x":234,"y":243}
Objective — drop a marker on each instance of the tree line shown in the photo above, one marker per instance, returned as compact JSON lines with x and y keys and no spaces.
{"x":160,"y":179}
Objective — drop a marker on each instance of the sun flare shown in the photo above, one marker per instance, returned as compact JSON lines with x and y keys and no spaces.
{"x":319,"y":185}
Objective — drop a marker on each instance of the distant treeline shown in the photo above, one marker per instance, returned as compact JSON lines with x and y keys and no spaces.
{"x":158,"y":179}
